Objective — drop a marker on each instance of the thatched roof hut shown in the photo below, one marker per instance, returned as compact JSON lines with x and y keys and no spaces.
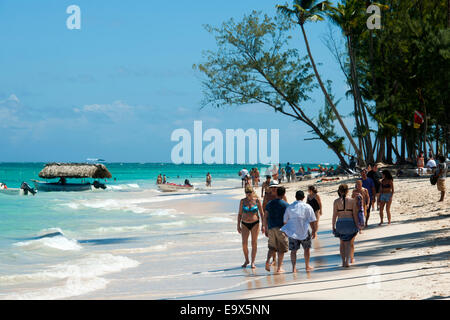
{"x":74,"y":170}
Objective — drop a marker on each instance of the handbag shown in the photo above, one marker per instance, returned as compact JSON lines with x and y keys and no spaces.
{"x":433,"y":179}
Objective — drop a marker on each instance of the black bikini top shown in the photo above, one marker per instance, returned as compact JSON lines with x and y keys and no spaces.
{"x":339,"y":210}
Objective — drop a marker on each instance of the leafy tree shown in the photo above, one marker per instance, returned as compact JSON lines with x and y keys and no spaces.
{"x":304,"y":11}
{"x":254,"y":64}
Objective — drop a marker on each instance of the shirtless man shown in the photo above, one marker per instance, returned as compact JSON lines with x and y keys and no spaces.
{"x":265,"y":186}
{"x":364,"y":193}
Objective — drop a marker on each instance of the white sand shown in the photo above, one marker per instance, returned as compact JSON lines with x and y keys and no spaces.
{"x":408,"y":259}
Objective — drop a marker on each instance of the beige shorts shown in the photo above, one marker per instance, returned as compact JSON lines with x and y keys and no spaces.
{"x":278,"y":241}
{"x":441,"y":185}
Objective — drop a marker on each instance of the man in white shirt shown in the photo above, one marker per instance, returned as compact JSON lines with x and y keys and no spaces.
{"x":431,"y":165}
{"x":297,"y":219}
{"x":243,"y":173}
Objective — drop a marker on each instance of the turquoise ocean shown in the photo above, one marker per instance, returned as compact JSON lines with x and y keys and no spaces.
{"x":128,"y":241}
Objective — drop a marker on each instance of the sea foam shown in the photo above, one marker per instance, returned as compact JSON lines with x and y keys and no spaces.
{"x":50,"y":239}
{"x":74,"y":278}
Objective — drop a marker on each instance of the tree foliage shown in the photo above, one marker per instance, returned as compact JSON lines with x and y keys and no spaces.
{"x":254,"y":64}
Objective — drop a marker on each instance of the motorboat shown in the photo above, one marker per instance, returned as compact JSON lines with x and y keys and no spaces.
{"x":24,"y":190}
{"x":170,"y":187}
{"x":65,"y":171}
{"x":59,"y":186}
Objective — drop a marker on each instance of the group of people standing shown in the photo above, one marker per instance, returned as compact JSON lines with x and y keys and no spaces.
{"x":286,"y":226}
{"x":251,"y":178}
{"x":161,"y":179}
{"x":291,"y":226}
{"x":439,"y":170}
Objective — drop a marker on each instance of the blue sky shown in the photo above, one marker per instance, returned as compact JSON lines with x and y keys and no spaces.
{"x":117,"y":88}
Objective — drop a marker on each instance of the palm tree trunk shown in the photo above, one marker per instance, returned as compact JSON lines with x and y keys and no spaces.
{"x":448,"y":13}
{"x":358,"y":97}
{"x":341,"y":122}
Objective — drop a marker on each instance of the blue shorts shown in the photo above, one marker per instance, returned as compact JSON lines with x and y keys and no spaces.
{"x":385,"y":197}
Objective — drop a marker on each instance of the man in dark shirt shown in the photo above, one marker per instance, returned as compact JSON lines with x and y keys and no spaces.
{"x":370,"y":186}
{"x":273,"y":221}
{"x":288,"y":169}
{"x":376,"y":177}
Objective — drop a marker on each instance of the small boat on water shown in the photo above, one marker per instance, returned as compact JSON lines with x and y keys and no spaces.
{"x":58,"y":186}
{"x":24,"y":190}
{"x":170,"y":187}
{"x":65,"y":171}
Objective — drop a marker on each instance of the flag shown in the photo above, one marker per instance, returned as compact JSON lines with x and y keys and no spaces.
{"x":418,"y":118}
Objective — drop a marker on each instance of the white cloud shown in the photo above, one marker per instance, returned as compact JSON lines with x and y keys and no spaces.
{"x":116,"y":111}
{"x":9,"y":112}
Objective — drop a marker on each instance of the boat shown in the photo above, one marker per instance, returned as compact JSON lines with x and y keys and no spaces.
{"x":58,"y":186}
{"x":170,"y":187}
{"x":12,"y":191}
{"x":65,"y":171}
{"x":24,"y":190}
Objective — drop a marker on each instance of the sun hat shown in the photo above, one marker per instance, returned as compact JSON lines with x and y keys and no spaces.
{"x":273,"y":184}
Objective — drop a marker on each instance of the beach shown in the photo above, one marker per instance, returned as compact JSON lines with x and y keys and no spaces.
{"x":408,"y":259}
{"x":138,"y":243}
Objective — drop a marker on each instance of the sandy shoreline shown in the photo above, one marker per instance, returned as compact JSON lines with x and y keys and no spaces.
{"x":408,"y":259}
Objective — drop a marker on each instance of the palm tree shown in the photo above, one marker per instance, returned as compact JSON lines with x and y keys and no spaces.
{"x":350,"y":16}
{"x":311,"y":10}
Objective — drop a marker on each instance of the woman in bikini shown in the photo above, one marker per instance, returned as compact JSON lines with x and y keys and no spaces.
{"x":420,"y":163}
{"x":344,"y":224}
{"x":386,"y":194}
{"x":314,"y":201}
{"x":250,"y":213}
{"x":256,"y":182}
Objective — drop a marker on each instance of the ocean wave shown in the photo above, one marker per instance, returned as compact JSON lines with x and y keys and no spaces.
{"x":50,"y":239}
{"x":172,"y":224}
{"x":155,"y":248}
{"x":78,"y":277}
{"x":217,"y":220}
{"x":132,"y":205}
{"x":110,"y":205}
{"x":121,"y":229}
{"x":124,"y":187}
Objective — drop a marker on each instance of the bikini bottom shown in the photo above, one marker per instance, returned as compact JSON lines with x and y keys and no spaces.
{"x":250,"y":225}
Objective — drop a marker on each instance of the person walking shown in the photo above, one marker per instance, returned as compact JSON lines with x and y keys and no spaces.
{"x":273,"y":221}
{"x":288,"y":170}
{"x":344,"y":224}
{"x":298,"y":217}
{"x":441,"y":173}
{"x":243,"y":174}
{"x":293,"y":176}
{"x":386,"y":195}
{"x":375,"y":175}
{"x":370,"y":186}
{"x":265,"y":187}
{"x":208,"y":179}
{"x":361,"y":195}
{"x":420,"y":163}
{"x":249,"y":218}
{"x":314,"y":201}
